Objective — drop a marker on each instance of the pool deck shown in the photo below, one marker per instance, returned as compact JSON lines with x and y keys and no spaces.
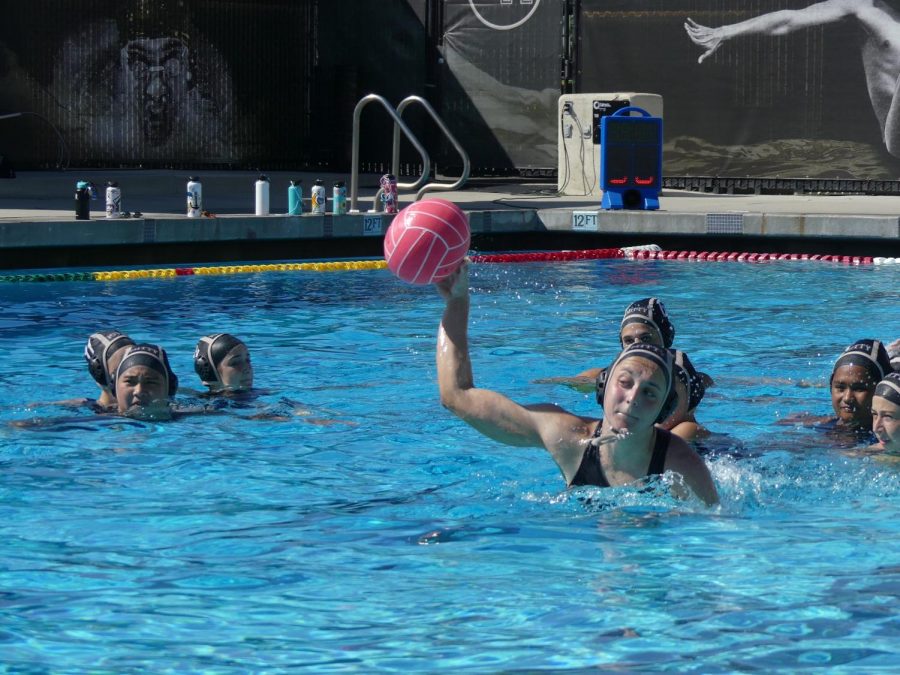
{"x":38,"y":228}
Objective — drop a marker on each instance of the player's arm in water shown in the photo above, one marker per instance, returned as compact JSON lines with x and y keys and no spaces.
{"x":543,"y":425}
{"x":585,"y":382}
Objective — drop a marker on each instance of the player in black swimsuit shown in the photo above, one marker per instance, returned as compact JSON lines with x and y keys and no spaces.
{"x":591,"y":470}
{"x":619,"y":448}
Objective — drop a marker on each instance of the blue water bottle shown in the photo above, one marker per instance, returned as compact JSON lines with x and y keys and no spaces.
{"x":339,"y":198}
{"x":295,"y":198}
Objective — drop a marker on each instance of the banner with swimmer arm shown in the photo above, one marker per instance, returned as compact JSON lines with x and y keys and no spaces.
{"x":499,"y":82}
{"x":771,"y":88}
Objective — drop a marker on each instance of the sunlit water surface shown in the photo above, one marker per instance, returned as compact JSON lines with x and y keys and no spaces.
{"x":356,"y":525}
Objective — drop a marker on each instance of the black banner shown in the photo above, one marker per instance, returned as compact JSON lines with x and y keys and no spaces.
{"x":765,"y":88}
{"x":500,"y":81}
{"x":157,"y":83}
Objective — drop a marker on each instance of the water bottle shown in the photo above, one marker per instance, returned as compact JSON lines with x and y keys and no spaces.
{"x":295,"y":198}
{"x":113,"y":200}
{"x":339,"y":198}
{"x":194,"y":197}
{"x":389,"y":193}
{"x":84,"y":193}
{"x":262,"y":196}
{"x":317,"y":197}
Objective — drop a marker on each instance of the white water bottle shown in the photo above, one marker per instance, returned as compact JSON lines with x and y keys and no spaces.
{"x":262,"y":196}
{"x":194,"y":197}
{"x":113,"y":200}
{"x":317,"y":197}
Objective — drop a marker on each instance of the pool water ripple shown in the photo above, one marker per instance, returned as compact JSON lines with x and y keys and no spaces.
{"x":359,"y":526}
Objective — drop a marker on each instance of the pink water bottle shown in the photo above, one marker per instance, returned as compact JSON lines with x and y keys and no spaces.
{"x":389,"y":193}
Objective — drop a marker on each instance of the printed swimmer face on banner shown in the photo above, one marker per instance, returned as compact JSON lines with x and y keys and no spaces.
{"x":157,"y":77}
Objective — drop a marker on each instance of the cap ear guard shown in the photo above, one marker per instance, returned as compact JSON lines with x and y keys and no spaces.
{"x":172,"y":377}
{"x":202,"y":362}
{"x":669,"y":406}
{"x":97,"y":361}
{"x":94,"y":360}
{"x":95,"y":369}
{"x":601,"y":384}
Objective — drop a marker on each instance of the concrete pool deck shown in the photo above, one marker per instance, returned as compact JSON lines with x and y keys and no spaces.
{"x":38,"y":228}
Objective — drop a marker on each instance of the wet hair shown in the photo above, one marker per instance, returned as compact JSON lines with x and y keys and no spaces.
{"x":97,"y":351}
{"x":870,"y":354}
{"x":209,"y":353}
{"x":153,"y":357}
{"x":652,"y":312}
{"x":889,"y":388}
{"x":664,"y":358}
{"x":690,"y":378}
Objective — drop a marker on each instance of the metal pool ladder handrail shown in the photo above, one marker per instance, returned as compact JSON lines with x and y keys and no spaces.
{"x":354,"y":170}
{"x":395,"y":157}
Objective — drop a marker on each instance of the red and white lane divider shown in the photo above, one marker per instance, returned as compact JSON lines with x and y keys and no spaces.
{"x":653,"y":252}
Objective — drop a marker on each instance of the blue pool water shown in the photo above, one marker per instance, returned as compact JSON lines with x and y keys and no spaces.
{"x":367,"y":529}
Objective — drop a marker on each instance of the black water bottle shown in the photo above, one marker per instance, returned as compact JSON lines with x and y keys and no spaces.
{"x":82,"y":200}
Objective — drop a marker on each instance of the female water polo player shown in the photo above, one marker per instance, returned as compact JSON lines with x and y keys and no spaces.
{"x":223,"y":363}
{"x":857,"y":370}
{"x":103,"y":352}
{"x":644,"y":321}
{"x":145,"y":383}
{"x":886,"y":415}
{"x":624,"y":447}
{"x":690,"y":389}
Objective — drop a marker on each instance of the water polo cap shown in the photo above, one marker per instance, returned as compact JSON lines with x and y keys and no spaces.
{"x":153,"y":357}
{"x":664,"y":358}
{"x":97,"y":351}
{"x":894,"y":354}
{"x":889,"y":388}
{"x":690,"y":378}
{"x":870,"y":354}
{"x":650,"y":311}
{"x":209,"y":353}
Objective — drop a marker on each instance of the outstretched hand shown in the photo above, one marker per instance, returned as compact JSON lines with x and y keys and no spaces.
{"x":456,"y":285}
{"x":702,"y":36}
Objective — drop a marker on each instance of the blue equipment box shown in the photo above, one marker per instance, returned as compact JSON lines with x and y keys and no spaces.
{"x":630,"y":160}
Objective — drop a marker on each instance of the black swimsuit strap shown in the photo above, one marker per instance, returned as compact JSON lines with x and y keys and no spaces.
{"x":590,"y":471}
{"x":660,"y":449}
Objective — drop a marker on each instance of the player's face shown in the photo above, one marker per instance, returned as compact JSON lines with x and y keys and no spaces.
{"x":852,"y":388}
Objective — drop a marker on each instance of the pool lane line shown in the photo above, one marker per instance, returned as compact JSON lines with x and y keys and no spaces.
{"x":645,"y":252}
{"x":725,"y":256}
{"x":549,"y":256}
{"x":212,"y":270}
{"x":335,"y":266}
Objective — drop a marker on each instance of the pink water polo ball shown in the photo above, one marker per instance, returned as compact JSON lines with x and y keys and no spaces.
{"x":426,"y":241}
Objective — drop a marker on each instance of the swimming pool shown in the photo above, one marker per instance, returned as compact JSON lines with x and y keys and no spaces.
{"x":375,"y":532}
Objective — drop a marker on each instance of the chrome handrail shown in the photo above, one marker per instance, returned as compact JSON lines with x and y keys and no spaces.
{"x":395,"y":157}
{"x":398,"y":122}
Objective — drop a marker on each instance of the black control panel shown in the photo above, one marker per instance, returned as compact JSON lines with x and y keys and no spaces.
{"x":602,"y":109}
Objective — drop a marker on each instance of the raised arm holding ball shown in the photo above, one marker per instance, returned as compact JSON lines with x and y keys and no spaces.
{"x":623,"y":448}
